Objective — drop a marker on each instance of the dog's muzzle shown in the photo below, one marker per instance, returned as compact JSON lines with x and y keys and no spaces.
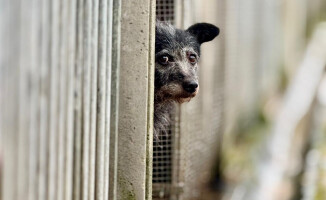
{"x":190,"y":86}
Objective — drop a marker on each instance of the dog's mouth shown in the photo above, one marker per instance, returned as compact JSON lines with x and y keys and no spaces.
{"x":186,"y":96}
{"x":183,"y":100}
{"x":176,"y":93}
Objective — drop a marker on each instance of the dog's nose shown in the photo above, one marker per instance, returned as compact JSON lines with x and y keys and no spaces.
{"x":190,"y":86}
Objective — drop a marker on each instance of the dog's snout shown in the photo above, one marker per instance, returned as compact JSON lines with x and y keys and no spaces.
{"x":190,"y":86}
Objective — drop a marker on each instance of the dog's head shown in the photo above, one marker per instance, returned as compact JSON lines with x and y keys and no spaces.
{"x":177,"y":54}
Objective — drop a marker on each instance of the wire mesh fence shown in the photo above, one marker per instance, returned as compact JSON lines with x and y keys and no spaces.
{"x":163,"y":146}
{"x":165,"y":10}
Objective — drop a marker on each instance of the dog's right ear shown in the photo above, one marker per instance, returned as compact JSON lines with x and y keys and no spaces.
{"x":204,"y":32}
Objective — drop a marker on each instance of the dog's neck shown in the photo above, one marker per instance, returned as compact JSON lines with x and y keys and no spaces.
{"x":163,"y":109}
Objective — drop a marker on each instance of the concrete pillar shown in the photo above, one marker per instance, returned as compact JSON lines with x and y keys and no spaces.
{"x":136,"y":99}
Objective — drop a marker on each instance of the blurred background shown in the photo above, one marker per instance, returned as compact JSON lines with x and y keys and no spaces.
{"x":261,"y":100}
{"x":76,"y":88}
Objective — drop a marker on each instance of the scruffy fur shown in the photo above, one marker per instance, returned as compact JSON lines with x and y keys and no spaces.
{"x":177,"y":54}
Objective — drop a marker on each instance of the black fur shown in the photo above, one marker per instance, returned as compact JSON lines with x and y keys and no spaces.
{"x":176,"y":63}
{"x":204,"y":32}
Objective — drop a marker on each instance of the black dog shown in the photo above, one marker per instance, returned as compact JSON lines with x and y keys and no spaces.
{"x":176,"y":63}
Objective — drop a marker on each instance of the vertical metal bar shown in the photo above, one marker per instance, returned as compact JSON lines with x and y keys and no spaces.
{"x":114,"y":98}
{"x":44,"y":99}
{"x":70,"y":101}
{"x":34,"y":76}
{"x":78,"y":93}
{"x":86,"y":96}
{"x":54,"y":85}
{"x":3,"y":18}
{"x":101,"y":99}
{"x":150,"y":105}
{"x":63,"y":65}
{"x":24,"y":99}
{"x":107,"y":132}
{"x":92,"y":139}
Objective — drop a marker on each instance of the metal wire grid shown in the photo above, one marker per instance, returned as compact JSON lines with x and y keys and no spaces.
{"x":162,"y":159}
{"x":162,"y":167}
{"x":165,"y":10}
{"x":202,"y":117}
{"x":163,"y":148}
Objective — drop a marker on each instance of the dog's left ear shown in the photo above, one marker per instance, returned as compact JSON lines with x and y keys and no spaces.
{"x":204,"y":32}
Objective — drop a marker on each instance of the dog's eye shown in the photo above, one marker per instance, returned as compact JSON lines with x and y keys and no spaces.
{"x":163,"y":60}
{"x":192,"y":58}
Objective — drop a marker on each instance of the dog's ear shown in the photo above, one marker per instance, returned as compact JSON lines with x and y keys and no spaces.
{"x":204,"y":32}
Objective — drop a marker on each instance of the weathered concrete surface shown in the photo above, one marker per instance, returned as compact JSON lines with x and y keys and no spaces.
{"x":135,"y":106}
